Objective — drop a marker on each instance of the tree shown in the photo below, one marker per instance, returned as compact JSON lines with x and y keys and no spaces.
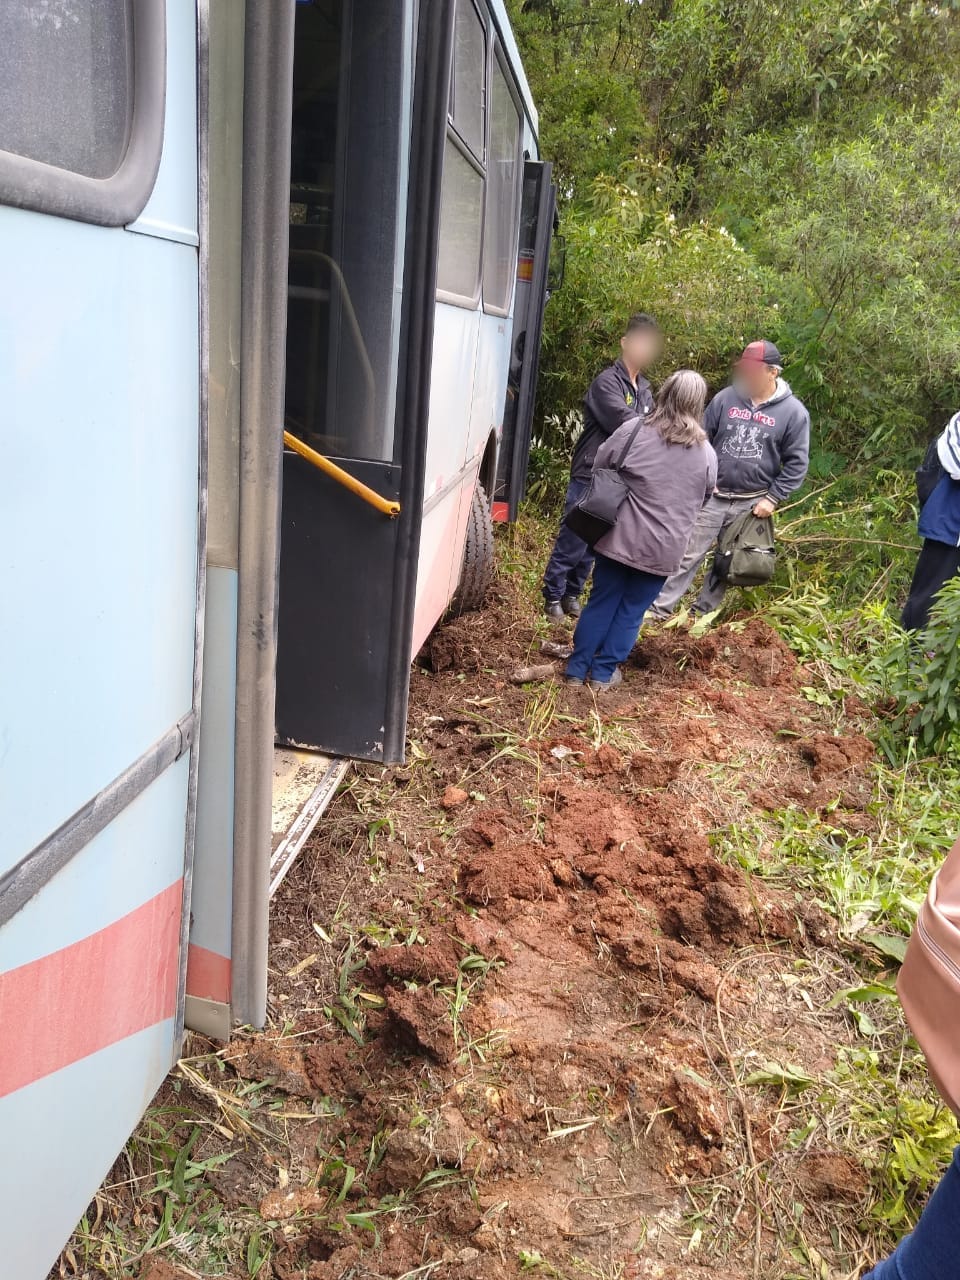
{"x":824,"y":134}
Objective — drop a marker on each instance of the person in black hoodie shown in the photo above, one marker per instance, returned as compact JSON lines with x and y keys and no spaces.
{"x":761,"y":434}
{"x":620,"y":393}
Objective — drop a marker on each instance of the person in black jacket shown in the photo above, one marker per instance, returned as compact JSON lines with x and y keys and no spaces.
{"x":619,"y":394}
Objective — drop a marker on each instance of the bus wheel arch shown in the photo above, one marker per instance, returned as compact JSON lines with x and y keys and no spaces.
{"x":488,"y":468}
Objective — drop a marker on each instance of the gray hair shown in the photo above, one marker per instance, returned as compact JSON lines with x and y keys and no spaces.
{"x":680,"y":405}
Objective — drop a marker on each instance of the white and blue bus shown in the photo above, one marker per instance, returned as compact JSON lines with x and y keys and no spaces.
{"x":272,"y":277}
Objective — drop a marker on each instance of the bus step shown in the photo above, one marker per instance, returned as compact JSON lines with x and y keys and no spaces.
{"x":304,"y":783}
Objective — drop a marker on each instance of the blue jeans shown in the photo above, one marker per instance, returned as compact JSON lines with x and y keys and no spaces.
{"x":610,"y":623}
{"x":571,"y":559}
{"x":930,"y":1252}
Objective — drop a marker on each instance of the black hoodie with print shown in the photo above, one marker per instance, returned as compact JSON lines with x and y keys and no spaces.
{"x":762,"y":450}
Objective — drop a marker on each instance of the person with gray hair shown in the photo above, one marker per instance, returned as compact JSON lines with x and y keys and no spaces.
{"x":669,"y":470}
{"x":761,"y":433}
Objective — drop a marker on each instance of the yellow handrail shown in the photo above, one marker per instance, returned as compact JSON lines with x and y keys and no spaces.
{"x":363,"y":491}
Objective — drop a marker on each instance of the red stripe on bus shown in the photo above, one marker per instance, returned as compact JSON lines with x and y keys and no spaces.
{"x":208,"y":974}
{"x":71,"y":1003}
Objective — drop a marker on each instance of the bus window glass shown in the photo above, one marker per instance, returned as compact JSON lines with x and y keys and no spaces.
{"x":342,"y":316}
{"x":503,"y":197}
{"x":65,"y":82}
{"x":469,"y":77}
{"x":461,"y":222}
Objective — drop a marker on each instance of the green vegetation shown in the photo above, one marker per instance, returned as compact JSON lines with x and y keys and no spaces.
{"x":738,"y":170}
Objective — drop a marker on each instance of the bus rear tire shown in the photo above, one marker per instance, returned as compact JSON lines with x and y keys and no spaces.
{"x":477,"y":570}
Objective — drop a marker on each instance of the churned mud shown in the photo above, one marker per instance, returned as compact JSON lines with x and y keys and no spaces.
{"x":515,"y":988}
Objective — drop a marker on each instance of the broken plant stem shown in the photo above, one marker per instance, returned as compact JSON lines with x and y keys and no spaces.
{"x":745,"y":1115}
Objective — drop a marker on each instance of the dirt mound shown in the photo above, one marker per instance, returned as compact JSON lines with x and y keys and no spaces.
{"x":423,"y":964}
{"x":454,"y":647}
{"x":280,"y":1062}
{"x":752,"y":652}
{"x":511,"y":870}
{"x":157,"y":1269}
{"x":578,"y":1086}
{"x":632,"y":875}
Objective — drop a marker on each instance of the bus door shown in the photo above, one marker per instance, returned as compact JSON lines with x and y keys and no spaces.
{"x":533,"y":266}
{"x":99,"y":528}
{"x":359,"y":326}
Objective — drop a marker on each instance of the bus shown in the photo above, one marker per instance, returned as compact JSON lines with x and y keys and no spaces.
{"x":273,"y":284}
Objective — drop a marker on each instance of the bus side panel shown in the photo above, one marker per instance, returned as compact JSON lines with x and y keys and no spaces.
{"x":449,"y":464}
{"x":456,"y":337}
{"x":441,"y":551}
{"x":490,"y":385}
{"x":43,"y":1206}
{"x":437,"y":533}
{"x":471,"y":357}
{"x":99,"y":453}
{"x":88,"y":1027}
{"x":99,"y":525}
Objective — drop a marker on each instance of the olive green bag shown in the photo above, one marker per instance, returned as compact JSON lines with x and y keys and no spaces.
{"x":746,"y":552}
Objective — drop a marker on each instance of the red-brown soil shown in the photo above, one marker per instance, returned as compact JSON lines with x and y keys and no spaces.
{"x":584,"y":1086}
{"x":553,"y":982}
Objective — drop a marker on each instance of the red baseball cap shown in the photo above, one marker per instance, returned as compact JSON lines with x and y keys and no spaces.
{"x":761,"y":352}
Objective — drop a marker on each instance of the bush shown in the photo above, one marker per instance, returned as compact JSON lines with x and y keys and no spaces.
{"x":930,"y":694}
{"x":862,"y":235}
{"x":627,"y":253}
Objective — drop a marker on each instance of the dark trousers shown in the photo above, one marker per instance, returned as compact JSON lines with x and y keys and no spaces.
{"x":937,"y":563}
{"x":609,"y":624}
{"x":930,"y":1252}
{"x":571,"y":559}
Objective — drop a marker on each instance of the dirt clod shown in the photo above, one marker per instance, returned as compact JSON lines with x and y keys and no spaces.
{"x":503,"y":872}
{"x":831,"y":1175}
{"x":453,"y":798}
{"x":157,"y":1269}
{"x":419,"y":1023}
{"x":287,"y":1202}
{"x":832,"y":755}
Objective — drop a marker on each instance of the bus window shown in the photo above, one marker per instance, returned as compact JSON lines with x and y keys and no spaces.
{"x":503,"y":197}
{"x":461,"y":201}
{"x":342,"y":320}
{"x":467,"y":87}
{"x":461,"y":220}
{"x":65,"y":83}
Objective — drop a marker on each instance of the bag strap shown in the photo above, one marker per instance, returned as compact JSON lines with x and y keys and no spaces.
{"x":629,"y":445}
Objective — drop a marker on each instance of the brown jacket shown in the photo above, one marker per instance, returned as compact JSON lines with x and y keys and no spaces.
{"x":668,"y":484}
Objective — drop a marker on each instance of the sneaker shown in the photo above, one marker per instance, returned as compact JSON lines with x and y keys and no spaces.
{"x":601,"y":686}
{"x":571,"y":606}
{"x":573,"y":682}
{"x":554,"y":610}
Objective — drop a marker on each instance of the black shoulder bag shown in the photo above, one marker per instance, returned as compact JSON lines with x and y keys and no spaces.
{"x":598,"y":510}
